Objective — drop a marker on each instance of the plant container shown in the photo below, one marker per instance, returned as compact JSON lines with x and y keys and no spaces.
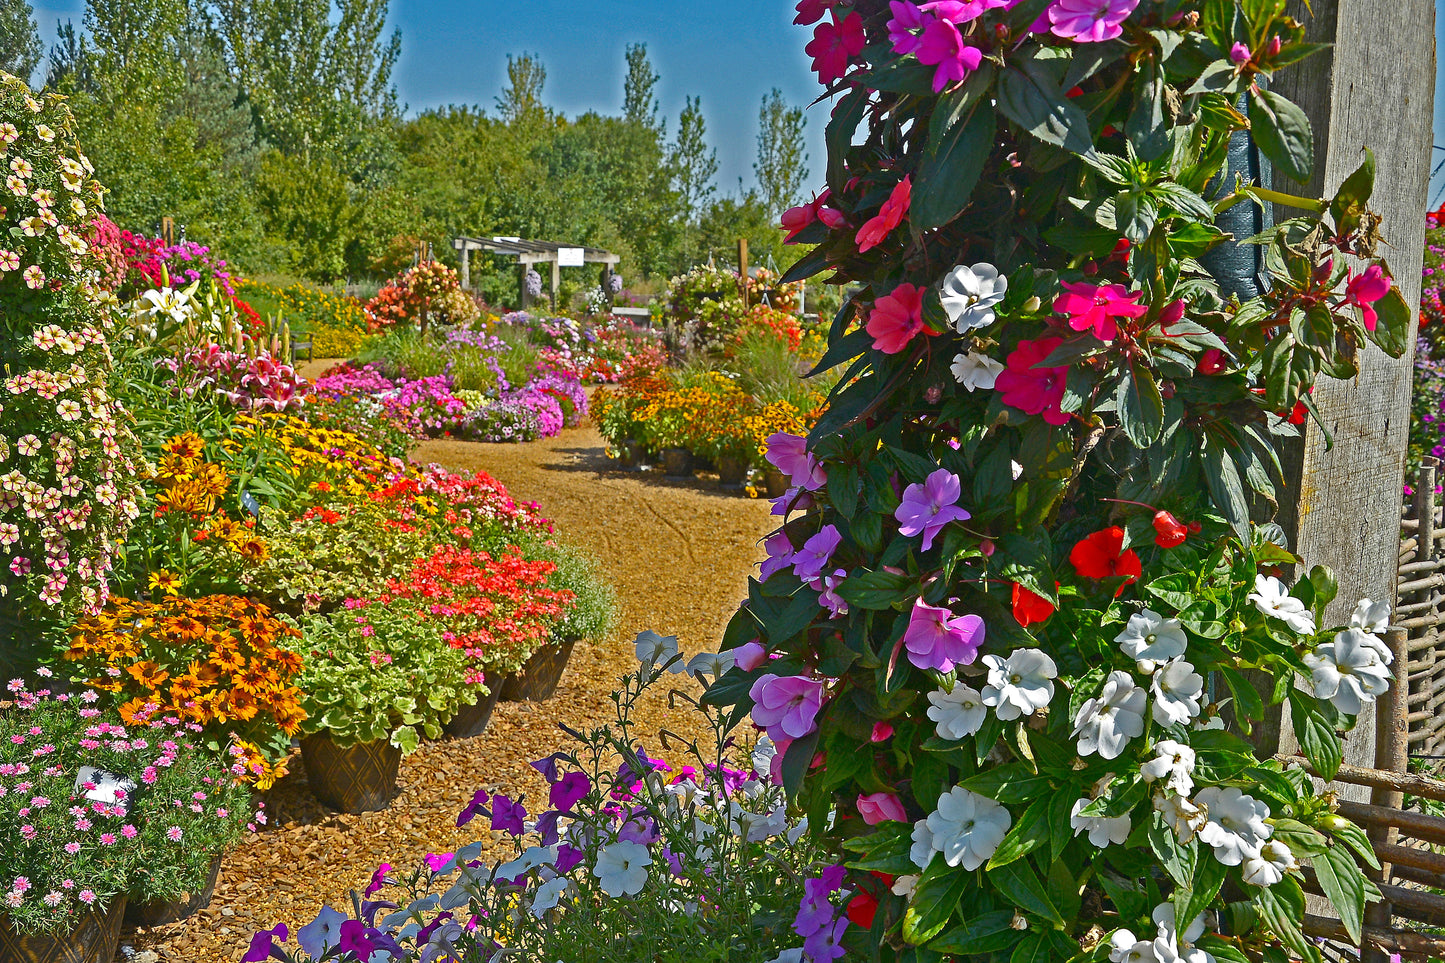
{"x":472,"y":720}
{"x":93,"y":940}
{"x":732,"y":473}
{"x":351,"y":779}
{"x":676,"y":462}
{"x":160,"y":912}
{"x":540,"y":676}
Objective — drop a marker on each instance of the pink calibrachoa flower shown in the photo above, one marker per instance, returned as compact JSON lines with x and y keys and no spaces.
{"x":896,"y":318}
{"x":938,"y":639}
{"x":789,"y":454}
{"x":942,"y":47}
{"x":834,"y":44}
{"x":1034,"y":390}
{"x":1095,"y":306}
{"x":1086,"y":21}
{"x":889,"y":216}
{"x":881,"y":807}
{"x":787,"y":706}
{"x":1364,"y":290}
{"x":931,"y":506}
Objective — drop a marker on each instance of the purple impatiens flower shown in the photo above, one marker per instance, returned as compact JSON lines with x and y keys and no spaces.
{"x":789,"y":454}
{"x":937,"y":639}
{"x":813,"y":557}
{"x":929,"y":507}
{"x":787,"y":706}
{"x":780,"y":555}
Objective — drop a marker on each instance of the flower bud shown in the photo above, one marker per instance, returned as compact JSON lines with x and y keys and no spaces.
{"x":1212,"y":362}
{"x":1239,"y":54}
{"x":1323,"y":270}
{"x":986,"y":546}
{"x":1169,"y":532}
{"x":1272,"y":49}
{"x":1090,"y":268}
{"x":1032,"y":305}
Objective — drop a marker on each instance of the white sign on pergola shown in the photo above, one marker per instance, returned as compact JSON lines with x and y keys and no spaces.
{"x":529,"y":253}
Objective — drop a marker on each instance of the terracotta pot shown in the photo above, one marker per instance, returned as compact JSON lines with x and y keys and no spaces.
{"x":775,"y":482}
{"x":472,"y":720}
{"x":676,"y":462}
{"x":732,"y":473}
{"x":159,"y":913}
{"x":539,"y":677}
{"x":352,"y":779}
{"x":93,"y":940}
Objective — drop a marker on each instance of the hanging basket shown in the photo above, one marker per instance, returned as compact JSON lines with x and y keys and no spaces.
{"x":676,"y":462}
{"x":540,"y":676}
{"x":472,"y":720}
{"x":93,"y":940}
{"x":732,"y":473}
{"x":160,"y":912}
{"x":351,"y":779}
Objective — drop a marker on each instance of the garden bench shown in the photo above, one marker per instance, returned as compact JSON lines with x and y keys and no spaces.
{"x":297,"y":347}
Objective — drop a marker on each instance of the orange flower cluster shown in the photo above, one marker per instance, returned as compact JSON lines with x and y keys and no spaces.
{"x":214,"y":662}
{"x":189,"y":484}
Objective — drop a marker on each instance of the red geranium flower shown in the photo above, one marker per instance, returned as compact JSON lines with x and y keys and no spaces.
{"x":1102,"y":555}
{"x":1030,"y":607}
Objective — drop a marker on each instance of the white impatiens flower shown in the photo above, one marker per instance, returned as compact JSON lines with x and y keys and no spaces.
{"x":974,"y":370}
{"x":1349,"y":671}
{"x":1019,"y":685}
{"x":958,"y":713}
{"x":922,"y":850}
{"x":967,"y":827}
{"x":1373,"y":617}
{"x":1269,"y":865}
{"x":905,"y":885}
{"x":1151,"y":639}
{"x":1102,"y":830}
{"x":1177,"y":691}
{"x":969,"y":294}
{"x":1107,"y":723}
{"x":1172,"y":946}
{"x":654,"y":649}
{"x":1125,"y":947}
{"x":548,"y":895}
{"x":1236,"y":825}
{"x":1181,"y":815}
{"x":1273,"y":599}
{"x":621,"y":868}
{"x":1173,"y":765}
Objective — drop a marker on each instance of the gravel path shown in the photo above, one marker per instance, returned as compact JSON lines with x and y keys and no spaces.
{"x":679,"y":552}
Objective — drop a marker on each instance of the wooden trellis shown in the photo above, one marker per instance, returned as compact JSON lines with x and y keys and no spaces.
{"x":1420,"y":610}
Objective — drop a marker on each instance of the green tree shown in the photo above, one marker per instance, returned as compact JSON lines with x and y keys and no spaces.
{"x":693,"y":162}
{"x":20,"y":47}
{"x":638,"y":103}
{"x":782,"y":160}
{"x":68,"y":69}
{"x":521,"y":100}
{"x":133,"y":46}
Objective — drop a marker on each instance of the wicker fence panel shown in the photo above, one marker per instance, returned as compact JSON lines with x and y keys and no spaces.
{"x":1420,"y":609}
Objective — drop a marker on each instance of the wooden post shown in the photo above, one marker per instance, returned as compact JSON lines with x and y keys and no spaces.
{"x":743,"y":270}
{"x":1373,"y":88}
{"x":557,"y":279}
{"x":466,"y":268}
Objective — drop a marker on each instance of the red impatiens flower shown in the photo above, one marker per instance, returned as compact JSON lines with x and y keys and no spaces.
{"x":862,"y":908}
{"x":1034,"y":390}
{"x":1169,"y":531}
{"x":1091,"y":306}
{"x":797,"y":218}
{"x":1102,"y":555}
{"x":876,"y":228}
{"x":896,"y":318}
{"x":834,"y":44}
{"x":811,"y":11}
{"x":1029,"y":607}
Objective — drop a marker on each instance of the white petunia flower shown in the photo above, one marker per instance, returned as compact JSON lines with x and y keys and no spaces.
{"x":1019,"y":685}
{"x":1273,"y":599}
{"x":1269,"y":865}
{"x":1373,"y":617}
{"x":1151,"y":639}
{"x":1348,"y":671}
{"x":1107,"y":723}
{"x":975,"y":370}
{"x":1236,"y":825}
{"x":967,"y":827}
{"x":1173,"y":765}
{"x":715,"y":664}
{"x":922,"y":850}
{"x":1125,"y":947}
{"x":533,"y":857}
{"x":1180,"y":815}
{"x":763,"y":754}
{"x":621,"y":868}
{"x":1102,"y":830}
{"x":654,"y":649}
{"x":958,"y":713}
{"x":1177,"y":691}
{"x":791,"y":955}
{"x":969,"y":295}
{"x":548,"y":895}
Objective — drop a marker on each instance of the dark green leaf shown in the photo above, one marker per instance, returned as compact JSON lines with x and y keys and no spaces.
{"x":1021,"y":886}
{"x":1392,"y":323}
{"x":884,"y":851}
{"x":877,"y":590}
{"x":1141,"y":407}
{"x":1283,"y":133}
{"x":1191,"y":900}
{"x":1344,"y":884}
{"x":1029,"y":98}
{"x":1317,"y":738}
{"x":1351,"y":199}
{"x":1147,"y":128}
{"x":935,"y":899}
{"x":1028,"y":834}
{"x":960,"y":140}
{"x":980,"y":934}
{"x":1282,"y":909}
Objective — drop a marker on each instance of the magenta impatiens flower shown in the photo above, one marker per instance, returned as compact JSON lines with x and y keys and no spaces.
{"x":1096,"y":306}
{"x":835,"y":43}
{"x":938,"y":639}
{"x":1088,"y":21}
{"x":928,"y":507}
{"x":789,"y":454}
{"x":896,"y":318}
{"x":1034,"y":390}
{"x":907,"y":17}
{"x":780,"y":555}
{"x":942,"y":47}
{"x":1364,"y":290}
{"x":813,"y":557}
{"x":881,"y":807}
{"x":787,"y":706}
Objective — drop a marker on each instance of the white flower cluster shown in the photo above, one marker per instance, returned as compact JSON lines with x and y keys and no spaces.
{"x":969,"y":295}
{"x":1169,"y":945}
{"x":1018,"y":686}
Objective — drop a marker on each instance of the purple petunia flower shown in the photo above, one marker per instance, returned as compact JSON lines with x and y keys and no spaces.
{"x":569,"y":790}
{"x":508,"y":816}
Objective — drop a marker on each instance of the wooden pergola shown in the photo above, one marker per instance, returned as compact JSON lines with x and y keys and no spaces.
{"x":529,"y":253}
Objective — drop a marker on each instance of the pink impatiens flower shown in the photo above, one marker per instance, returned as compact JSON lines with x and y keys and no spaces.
{"x":881,"y":807}
{"x":834,"y":44}
{"x":937,"y":639}
{"x":889,"y":216}
{"x":1034,"y":390}
{"x":1091,"y":306}
{"x":787,"y":706}
{"x":780,"y":555}
{"x":929,"y":507}
{"x":942,"y":47}
{"x":896,"y":318}
{"x":1087,"y":21}
{"x":907,"y":17}
{"x":789,"y":454}
{"x":1364,"y":290}
{"x":813,"y":557}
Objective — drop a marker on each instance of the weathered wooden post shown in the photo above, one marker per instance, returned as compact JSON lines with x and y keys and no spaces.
{"x":1373,"y":89}
{"x":743,"y":270}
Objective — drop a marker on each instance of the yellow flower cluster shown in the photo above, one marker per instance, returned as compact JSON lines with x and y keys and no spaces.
{"x":302,"y":306}
{"x":330,"y":342}
{"x":774,"y":417}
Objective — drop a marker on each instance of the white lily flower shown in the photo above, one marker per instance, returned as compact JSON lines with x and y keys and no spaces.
{"x":1102,"y":830}
{"x":1019,"y":685}
{"x":1236,"y":825}
{"x":1269,"y":865}
{"x":969,"y":294}
{"x":1106,"y":724}
{"x":1151,"y":639}
{"x":975,"y":370}
{"x":1177,"y":691}
{"x":1348,"y":671}
{"x":958,"y":713}
{"x":763,"y":754}
{"x":715,"y":664}
{"x":1273,"y":599}
{"x":905,"y":885}
{"x":967,"y":827}
{"x":1173,"y":765}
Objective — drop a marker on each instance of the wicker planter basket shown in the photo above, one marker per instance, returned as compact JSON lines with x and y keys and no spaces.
{"x":732,"y":473}
{"x":354,"y":779}
{"x":472,"y":720}
{"x":539,"y":677}
{"x":775,"y":482}
{"x":157,"y":913}
{"x":677,"y":462}
{"x":94,"y":940}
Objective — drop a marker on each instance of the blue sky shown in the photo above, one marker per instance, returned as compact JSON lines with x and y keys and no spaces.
{"x":730,"y":53}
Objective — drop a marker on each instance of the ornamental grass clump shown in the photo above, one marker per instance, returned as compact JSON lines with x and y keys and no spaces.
{"x":94,"y":810}
{"x":1018,"y":582}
